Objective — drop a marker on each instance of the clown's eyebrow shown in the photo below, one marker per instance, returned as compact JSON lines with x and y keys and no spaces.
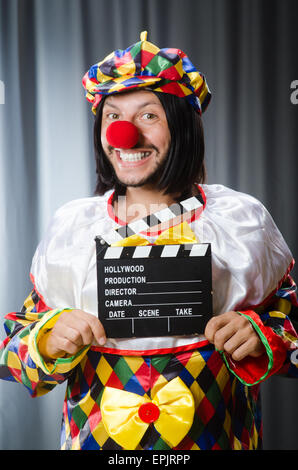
{"x":141,"y":105}
{"x":107,"y":103}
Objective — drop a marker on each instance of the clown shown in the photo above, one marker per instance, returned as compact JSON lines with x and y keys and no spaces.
{"x":182,"y":392}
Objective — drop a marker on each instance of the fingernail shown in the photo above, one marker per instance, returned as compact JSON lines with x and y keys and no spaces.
{"x":102,"y":341}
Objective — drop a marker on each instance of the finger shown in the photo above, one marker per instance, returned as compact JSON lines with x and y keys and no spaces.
{"x":58,"y":344}
{"x":77,"y":334}
{"x":83,"y":331}
{"x":251,"y":347}
{"x":211,"y":328}
{"x":97,"y":329}
{"x":67,"y":346}
{"x":223,"y":335}
{"x":88,"y":325}
{"x":74,"y":328}
{"x":236,"y":340}
{"x":241,"y":351}
{"x":215,"y":324}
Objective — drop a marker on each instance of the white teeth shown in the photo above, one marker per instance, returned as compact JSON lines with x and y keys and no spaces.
{"x":133,"y":157}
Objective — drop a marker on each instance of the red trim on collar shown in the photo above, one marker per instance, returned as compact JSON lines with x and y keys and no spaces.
{"x":111,"y":212}
{"x":195,"y":215}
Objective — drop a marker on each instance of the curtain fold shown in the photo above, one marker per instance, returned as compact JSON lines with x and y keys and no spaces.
{"x":246,"y":49}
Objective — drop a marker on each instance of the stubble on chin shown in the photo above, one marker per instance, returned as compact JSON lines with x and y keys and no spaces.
{"x":151,"y":179}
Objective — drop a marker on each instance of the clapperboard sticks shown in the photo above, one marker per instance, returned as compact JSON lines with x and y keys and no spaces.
{"x":163,"y":216}
{"x":156,"y":251}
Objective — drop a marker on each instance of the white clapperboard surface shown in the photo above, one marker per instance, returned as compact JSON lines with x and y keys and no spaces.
{"x":153,"y":290}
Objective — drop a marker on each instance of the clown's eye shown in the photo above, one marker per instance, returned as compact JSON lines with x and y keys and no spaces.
{"x":148,"y":116}
{"x":113,"y":116}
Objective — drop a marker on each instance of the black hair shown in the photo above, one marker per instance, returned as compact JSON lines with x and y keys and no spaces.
{"x":184,"y":164}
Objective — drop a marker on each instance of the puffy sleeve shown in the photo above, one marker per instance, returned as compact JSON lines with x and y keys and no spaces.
{"x":250,"y":258}
{"x":58,"y":273}
{"x":276,"y":324}
{"x":251,"y":274}
{"x":61,"y":260}
{"x":20,"y":360}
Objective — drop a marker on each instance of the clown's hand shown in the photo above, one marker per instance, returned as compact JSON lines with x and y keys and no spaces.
{"x":72,"y":331}
{"x":234,"y":334}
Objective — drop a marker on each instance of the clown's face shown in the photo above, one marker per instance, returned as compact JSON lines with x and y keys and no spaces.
{"x":140,"y":165}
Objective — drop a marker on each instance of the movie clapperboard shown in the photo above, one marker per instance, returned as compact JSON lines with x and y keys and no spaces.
{"x":153,"y":290}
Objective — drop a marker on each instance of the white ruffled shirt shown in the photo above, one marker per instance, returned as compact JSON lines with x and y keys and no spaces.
{"x":249,"y":257}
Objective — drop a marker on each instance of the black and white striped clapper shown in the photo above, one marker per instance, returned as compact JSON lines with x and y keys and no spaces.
{"x":154,"y":290}
{"x":164,"y":216}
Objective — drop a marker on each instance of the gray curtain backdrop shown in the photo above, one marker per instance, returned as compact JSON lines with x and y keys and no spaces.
{"x":248,"y":51}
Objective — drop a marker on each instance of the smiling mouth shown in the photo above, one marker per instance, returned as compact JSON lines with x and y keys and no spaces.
{"x":132,"y":156}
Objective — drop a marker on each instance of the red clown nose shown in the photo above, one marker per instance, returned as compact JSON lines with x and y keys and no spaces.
{"x":122,"y":134}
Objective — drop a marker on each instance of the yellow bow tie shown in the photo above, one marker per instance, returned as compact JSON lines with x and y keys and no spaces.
{"x":126,"y":416}
{"x":176,"y":235}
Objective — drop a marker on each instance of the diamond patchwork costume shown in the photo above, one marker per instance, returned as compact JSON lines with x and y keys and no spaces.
{"x":160,"y":392}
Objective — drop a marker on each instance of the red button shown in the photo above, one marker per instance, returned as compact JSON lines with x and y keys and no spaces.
{"x":148,"y":412}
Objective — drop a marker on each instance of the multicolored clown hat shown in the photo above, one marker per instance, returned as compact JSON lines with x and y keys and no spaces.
{"x":145,"y":65}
